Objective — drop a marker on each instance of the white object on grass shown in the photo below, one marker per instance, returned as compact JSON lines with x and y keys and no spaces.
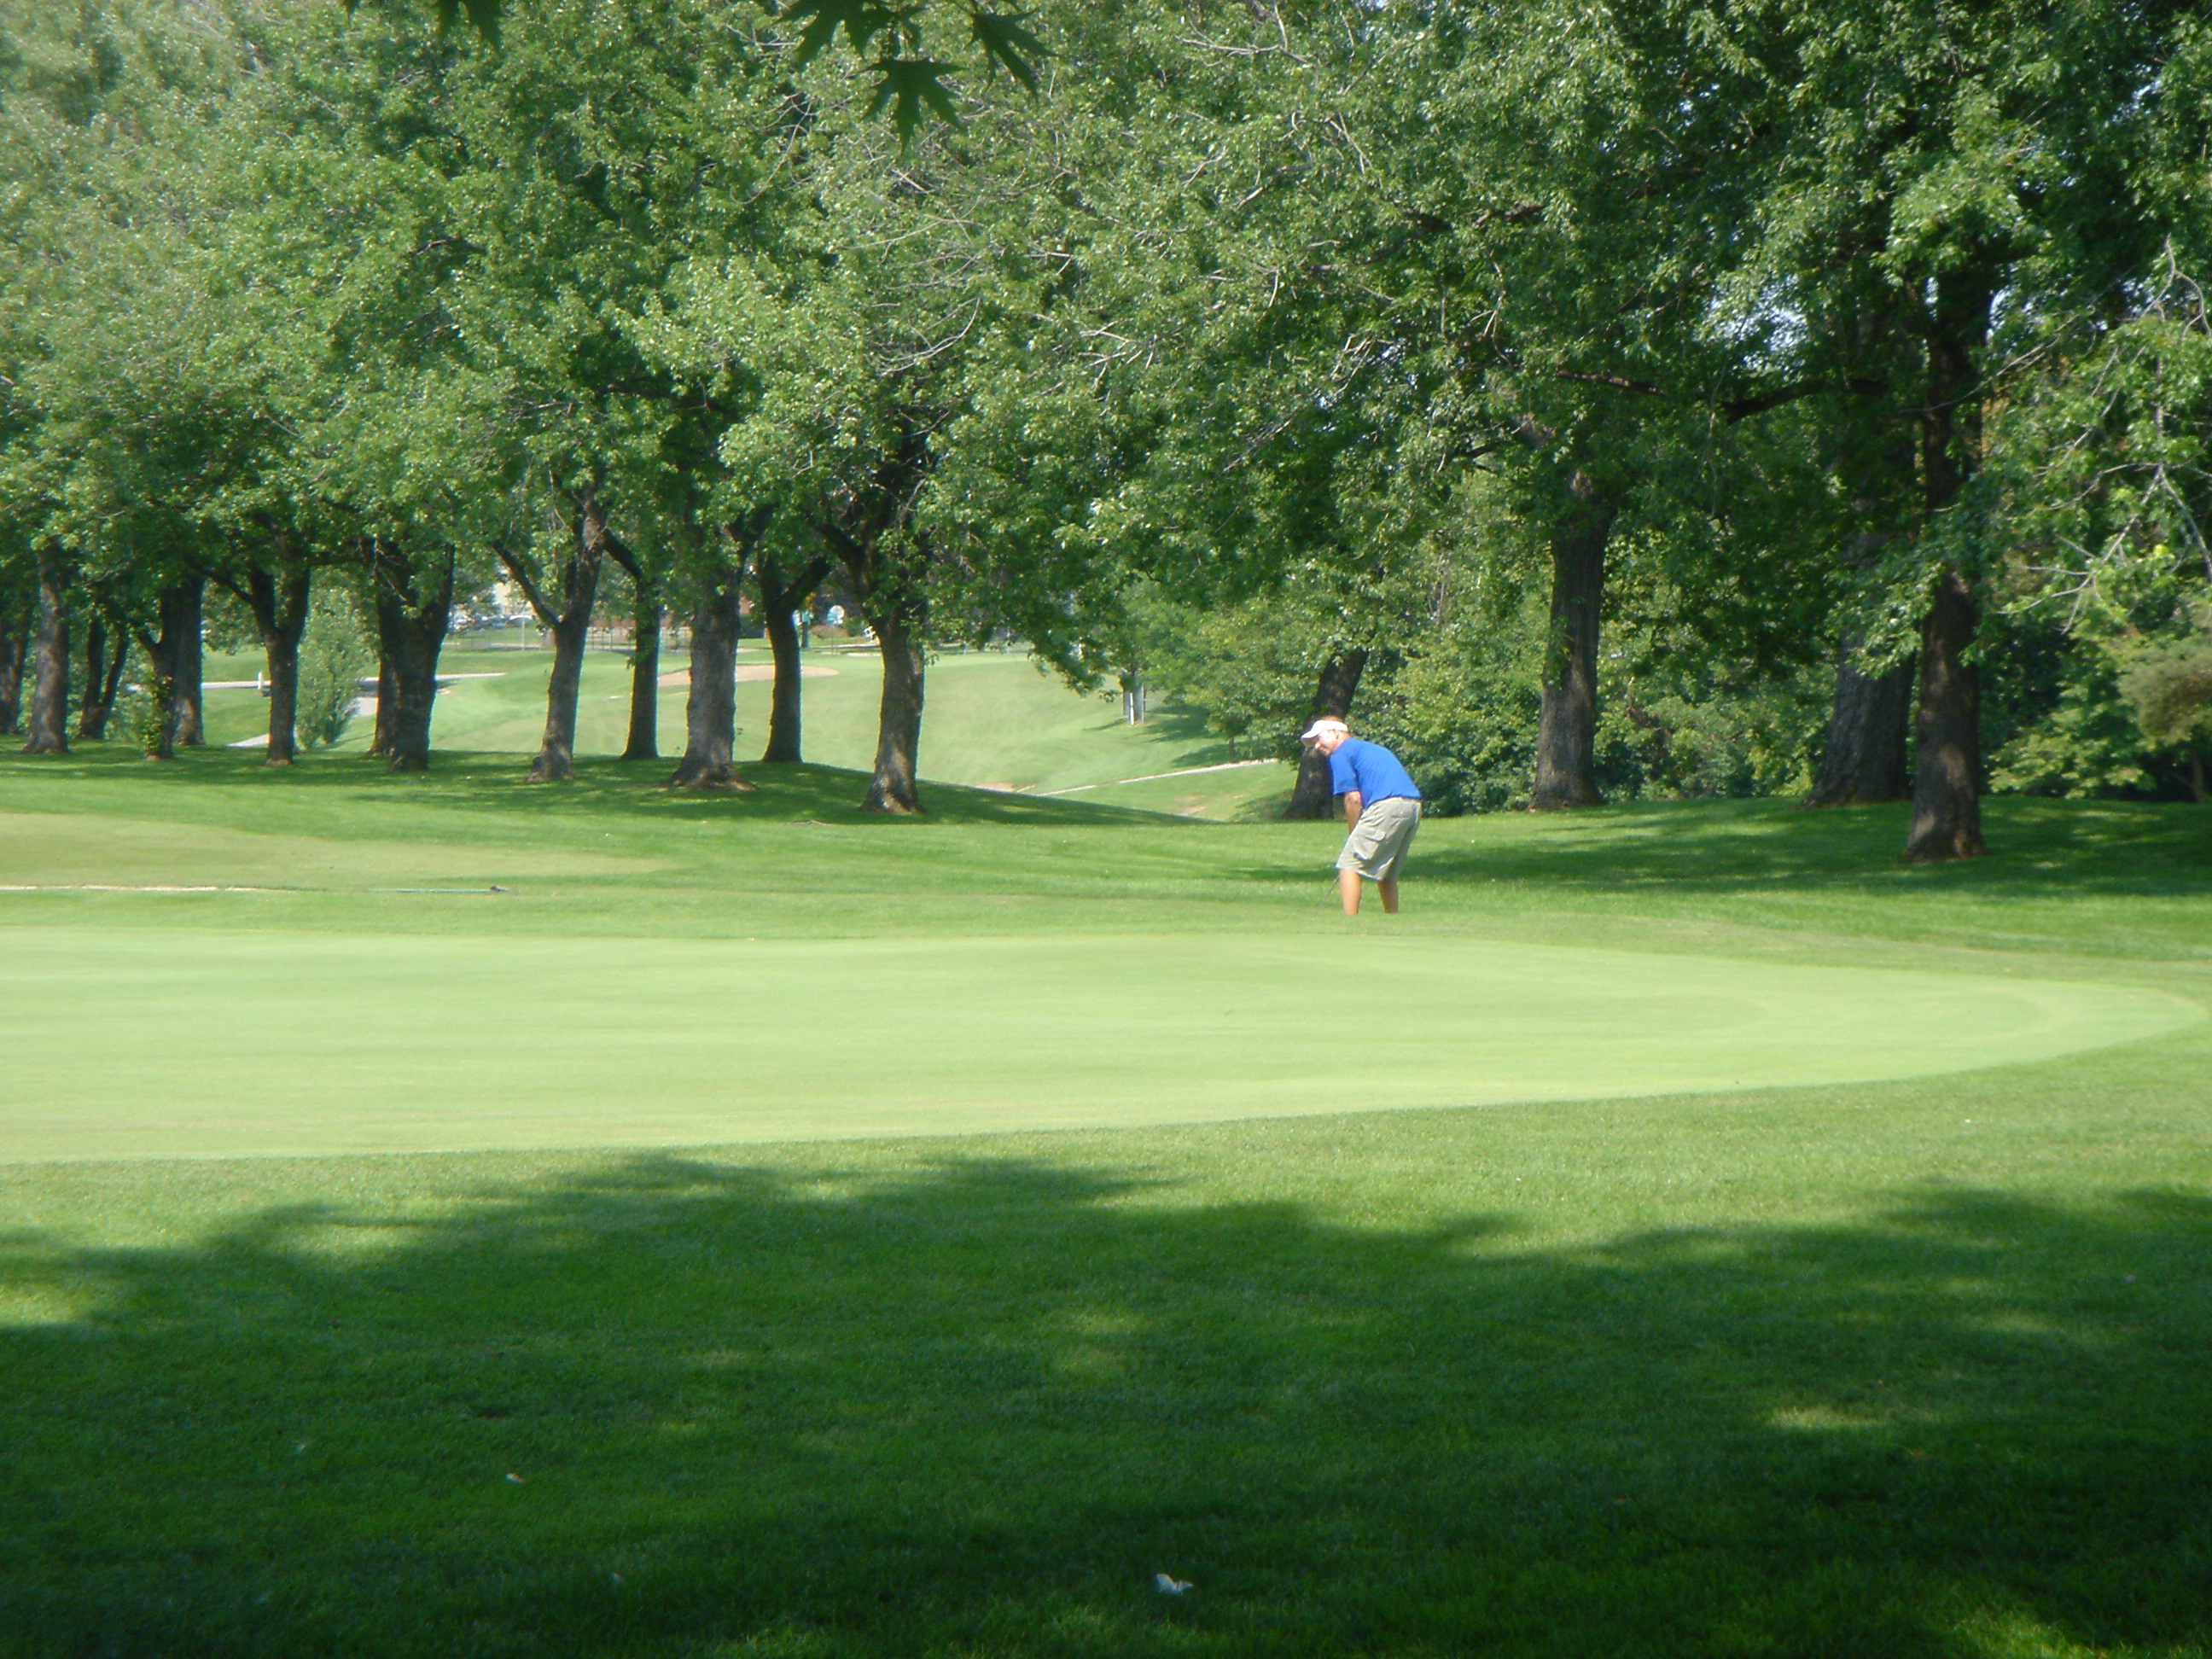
{"x":1169,"y":1584}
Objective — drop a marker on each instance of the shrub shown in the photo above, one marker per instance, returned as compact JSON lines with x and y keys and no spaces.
{"x":334,"y":655}
{"x":150,"y":710}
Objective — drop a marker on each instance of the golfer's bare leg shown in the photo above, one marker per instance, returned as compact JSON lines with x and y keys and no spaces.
{"x":1388,"y":888}
{"x":1347,"y":887}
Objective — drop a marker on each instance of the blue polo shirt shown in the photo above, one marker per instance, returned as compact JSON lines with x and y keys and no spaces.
{"x":1372,"y":770}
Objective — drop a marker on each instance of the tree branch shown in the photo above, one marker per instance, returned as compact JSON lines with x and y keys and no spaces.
{"x":1618,"y":382}
{"x":619,"y":552}
{"x":531,"y":592}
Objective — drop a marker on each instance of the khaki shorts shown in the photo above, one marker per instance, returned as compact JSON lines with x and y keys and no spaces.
{"x":1376,"y":846}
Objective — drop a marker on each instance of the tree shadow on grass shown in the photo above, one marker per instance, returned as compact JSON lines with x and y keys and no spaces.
{"x":2036,"y":846}
{"x":477,"y":782}
{"x":685,"y":1408}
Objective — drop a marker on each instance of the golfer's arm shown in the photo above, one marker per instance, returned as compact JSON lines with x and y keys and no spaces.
{"x":1352,"y":806}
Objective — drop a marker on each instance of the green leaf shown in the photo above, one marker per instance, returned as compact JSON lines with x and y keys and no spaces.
{"x":820,"y":19}
{"x":906,"y":84}
{"x":1006,"y":45}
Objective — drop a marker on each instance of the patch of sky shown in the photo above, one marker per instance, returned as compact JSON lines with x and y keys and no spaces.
{"x":1764,"y":319}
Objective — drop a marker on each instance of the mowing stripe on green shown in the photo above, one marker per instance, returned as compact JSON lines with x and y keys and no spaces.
{"x":153,"y":1042}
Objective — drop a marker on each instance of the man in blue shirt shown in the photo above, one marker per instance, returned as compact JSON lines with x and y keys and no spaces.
{"x":1381,"y":805}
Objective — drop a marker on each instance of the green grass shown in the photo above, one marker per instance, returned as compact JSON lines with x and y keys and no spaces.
{"x":1856,"y":1356}
{"x":996,"y":720}
{"x":747,"y":1039}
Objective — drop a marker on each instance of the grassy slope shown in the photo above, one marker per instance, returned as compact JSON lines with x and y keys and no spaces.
{"x":1896,"y":1368}
{"x":994,"y":720}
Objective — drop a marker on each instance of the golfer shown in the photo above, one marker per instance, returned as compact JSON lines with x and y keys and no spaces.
{"x":1380,"y":804}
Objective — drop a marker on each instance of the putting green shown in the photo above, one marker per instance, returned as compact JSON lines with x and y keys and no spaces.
{"x":162,"y":1043}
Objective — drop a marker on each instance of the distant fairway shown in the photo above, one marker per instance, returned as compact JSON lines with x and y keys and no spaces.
{"x":391,"y":1044}
{"x":995,"y":720}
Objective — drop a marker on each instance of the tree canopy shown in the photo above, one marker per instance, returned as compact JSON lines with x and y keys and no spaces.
{"x":1606,"y":400}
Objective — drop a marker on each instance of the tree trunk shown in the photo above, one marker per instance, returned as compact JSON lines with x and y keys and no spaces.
{"x":388,"y":698}
{"x":895,"y":603}
{"x":280,"y":606}
{"x":413,"y":608}
{"x":785,"y":708}
{"x":1566,"y":738}
{"x":178,"y":657}
{"x":710,"y":711}
{"x":1864,"y":758}
{"x":570,"y":624}
{"x":103,"y":677}
{"x":1310,"y":797}
{"x":15,"y":638}
{"x":899,"y":636}
{"x":91,"y":718}
{"x":1947,"y":808}
{"x":778,"y":600}
{"x":643,"y":741}
{"x":50,"y":675}
{"x":113,"y":687}
{"x":555,"y":760}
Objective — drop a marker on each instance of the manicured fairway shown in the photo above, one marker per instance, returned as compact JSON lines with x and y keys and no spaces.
{"x":388,"y":1042}
{"x":1683,"y":1232}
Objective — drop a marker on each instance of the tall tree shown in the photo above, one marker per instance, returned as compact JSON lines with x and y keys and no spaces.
{"x":1922,"y":163}
{"x":601,"y":148}
{"x":564,"y":610}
